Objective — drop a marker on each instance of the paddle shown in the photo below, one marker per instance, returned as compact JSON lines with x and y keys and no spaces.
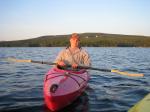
{"x":80,"y":67}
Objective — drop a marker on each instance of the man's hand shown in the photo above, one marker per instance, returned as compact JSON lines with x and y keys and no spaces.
{"x":74,"y":66}
{"x":61,"y":63}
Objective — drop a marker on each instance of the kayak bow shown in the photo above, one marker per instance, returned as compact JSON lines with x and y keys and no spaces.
{"x":62,"y":87}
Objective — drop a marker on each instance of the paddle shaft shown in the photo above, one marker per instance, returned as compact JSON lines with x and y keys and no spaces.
{"x":92,"y":68}
{"x":81,"y":67}
{"x":43,"y":62}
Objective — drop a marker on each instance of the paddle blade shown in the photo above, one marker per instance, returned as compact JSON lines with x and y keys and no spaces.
{"x":18,"y":60}
{"x":127,"y":74}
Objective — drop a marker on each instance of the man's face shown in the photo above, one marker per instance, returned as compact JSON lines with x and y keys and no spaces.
{"x":74,"y":42}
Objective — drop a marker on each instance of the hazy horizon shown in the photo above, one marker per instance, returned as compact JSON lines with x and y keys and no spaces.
{"x":70,"y":34}
{"x":24,"y":19}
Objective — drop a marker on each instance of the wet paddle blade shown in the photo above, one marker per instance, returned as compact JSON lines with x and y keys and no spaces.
{"x":127,"y":74}
{"x":18,"y":60}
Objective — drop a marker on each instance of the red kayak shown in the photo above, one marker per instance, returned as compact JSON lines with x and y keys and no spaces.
{"x":62,"y":87}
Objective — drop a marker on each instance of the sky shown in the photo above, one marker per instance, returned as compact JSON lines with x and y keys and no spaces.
{"x":24,"y":19}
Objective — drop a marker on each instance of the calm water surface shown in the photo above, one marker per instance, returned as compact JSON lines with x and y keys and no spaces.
{"x":21,"y":84}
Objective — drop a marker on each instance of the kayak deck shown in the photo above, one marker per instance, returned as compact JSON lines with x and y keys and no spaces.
{"x":62,"y":87}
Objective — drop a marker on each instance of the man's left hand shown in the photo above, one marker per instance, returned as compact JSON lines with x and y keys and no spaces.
{"x":74,"y":66}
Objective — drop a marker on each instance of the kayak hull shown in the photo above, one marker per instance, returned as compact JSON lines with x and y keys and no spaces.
{"x":62,"y":87}
{"x":142,"y":106}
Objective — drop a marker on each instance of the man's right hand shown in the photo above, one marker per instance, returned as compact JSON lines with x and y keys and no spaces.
{"x":61,"y":63}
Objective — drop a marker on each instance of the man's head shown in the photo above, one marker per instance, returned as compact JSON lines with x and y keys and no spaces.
{"x":74,"y":40}
{"x":74,"y":36}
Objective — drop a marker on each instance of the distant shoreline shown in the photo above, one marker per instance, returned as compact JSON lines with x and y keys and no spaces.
{"x":87,"y":40}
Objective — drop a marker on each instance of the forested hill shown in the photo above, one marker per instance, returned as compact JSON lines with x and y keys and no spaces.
{"x":87,"y":39}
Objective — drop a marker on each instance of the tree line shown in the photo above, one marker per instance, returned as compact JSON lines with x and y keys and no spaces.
{"x":86,"y":39}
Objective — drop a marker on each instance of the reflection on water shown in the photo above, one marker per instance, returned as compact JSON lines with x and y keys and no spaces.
{"x":22,"y":83}
{"x":79,"y":105}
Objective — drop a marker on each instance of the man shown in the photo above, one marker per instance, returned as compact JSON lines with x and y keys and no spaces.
{"x":73,"y":55}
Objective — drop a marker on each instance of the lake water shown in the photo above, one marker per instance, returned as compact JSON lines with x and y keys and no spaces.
{"x":21,"y":84}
